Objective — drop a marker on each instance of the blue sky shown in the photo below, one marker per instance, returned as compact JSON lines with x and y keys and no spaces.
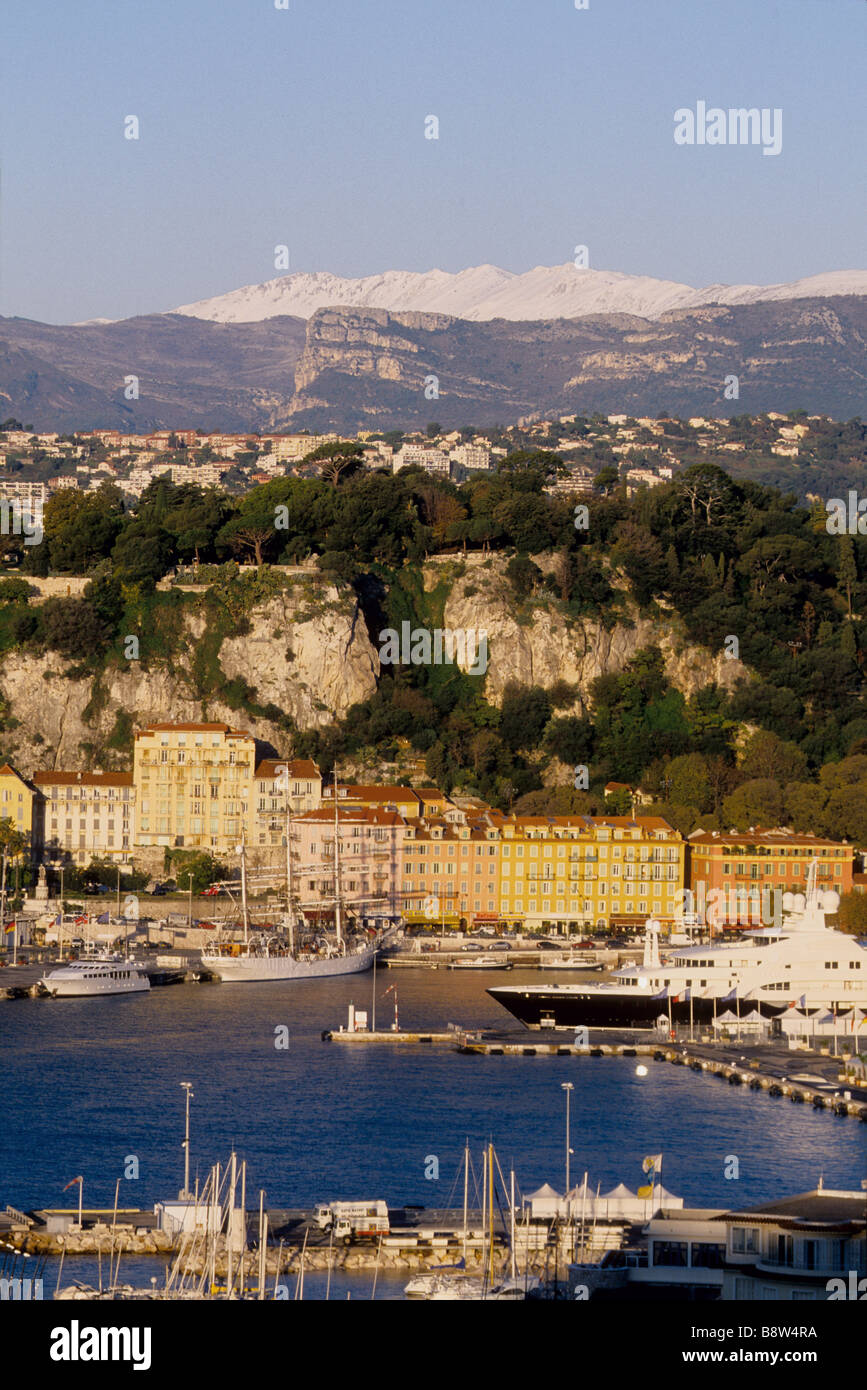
{"x":305,"y":126}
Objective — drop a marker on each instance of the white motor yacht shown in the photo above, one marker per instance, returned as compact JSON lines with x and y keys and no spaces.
{"x":95,"y":975}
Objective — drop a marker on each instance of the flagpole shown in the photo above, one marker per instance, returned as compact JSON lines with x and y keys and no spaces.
{"x":690,"y":1013}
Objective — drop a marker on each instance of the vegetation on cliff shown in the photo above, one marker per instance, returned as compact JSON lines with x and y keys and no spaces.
{"x":735,"y":565}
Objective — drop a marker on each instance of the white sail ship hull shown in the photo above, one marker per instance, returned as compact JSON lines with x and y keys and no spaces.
{"x":256,"y":968}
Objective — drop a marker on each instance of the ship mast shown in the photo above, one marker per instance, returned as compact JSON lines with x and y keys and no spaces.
{"x":336,"y":865}
{"x":245,"y":914}
{"x":289,"y":905}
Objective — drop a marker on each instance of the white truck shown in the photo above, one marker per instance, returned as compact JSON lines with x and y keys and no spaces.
{"x":352,"y":1220}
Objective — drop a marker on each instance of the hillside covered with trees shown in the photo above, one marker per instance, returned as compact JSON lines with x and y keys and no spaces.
{"x":720,"y":558}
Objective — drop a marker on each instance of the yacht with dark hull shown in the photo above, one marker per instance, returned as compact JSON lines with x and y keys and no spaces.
{"x":801,"y":962}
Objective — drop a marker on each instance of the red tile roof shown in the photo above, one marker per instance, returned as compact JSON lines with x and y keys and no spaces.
{"x":83,"y":779}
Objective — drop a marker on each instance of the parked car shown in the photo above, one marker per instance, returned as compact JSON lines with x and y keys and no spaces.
{"x":500,"y":946}
{"x":158,"y":890}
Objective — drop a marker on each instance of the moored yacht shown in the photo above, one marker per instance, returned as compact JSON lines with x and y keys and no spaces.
{"x":95,"y":975}
{"x":801,"y":962}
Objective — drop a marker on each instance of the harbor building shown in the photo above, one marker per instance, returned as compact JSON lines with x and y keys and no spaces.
{"x":295,"y":784}
{"x":85,"y":816}
{"x":371,"y":841}
{"x":407,"y":801}
{"x":194,"y":786}
{"x":744,"y":866}
{"x":808,"y":1247}
{"x":451,"y":869}
{"x":17,"y":800}
{"x":594,"y":872}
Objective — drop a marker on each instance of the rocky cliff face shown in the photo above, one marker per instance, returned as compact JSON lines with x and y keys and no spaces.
{"x":307,"y":652}
{"x":537,"y":644}
{"x":311,"y":661}
{"x":368,"y":368}
{"x":350,"y":368}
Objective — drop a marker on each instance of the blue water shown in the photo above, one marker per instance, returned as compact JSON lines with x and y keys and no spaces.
{"x":88,"y":1083}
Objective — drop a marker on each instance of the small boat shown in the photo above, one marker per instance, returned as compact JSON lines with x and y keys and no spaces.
{"x":96,"y":975}
{"x":489,"y":962}
{"x":569,"y":960}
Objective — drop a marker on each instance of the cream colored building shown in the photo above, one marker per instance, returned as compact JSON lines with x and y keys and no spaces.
{"x":194,"y":786}
{"x":294,"y":784}
{"x":86,"y":815}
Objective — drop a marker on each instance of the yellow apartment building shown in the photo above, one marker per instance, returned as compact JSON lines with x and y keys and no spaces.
{"x":542,"y":872}
{"x":17,"y":797}
{"x":597,"y":872}
{"x":194,"y":786}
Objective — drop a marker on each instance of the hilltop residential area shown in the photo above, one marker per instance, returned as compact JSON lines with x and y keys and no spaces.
{"x":793,"y":450}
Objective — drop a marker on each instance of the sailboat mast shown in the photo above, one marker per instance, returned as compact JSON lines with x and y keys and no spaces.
{"x":290,"y":910}
{"x":336,"y":865}
{"x":245,"y":914}
{"x":243,"y":1220}
{"x":512,"y":1217}
{"x":230,"y":1228}
{"x":491,"y":1215}
{"x":466,"y":1192}
{"x":263,"y":1241}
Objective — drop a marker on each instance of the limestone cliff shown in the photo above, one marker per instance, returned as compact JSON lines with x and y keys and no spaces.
{"x":537,"y":644}
{"x":304,"y":652}
{"x":310,"y":660}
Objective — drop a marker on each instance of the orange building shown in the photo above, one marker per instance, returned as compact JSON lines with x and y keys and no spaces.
{"x":756,"y":861}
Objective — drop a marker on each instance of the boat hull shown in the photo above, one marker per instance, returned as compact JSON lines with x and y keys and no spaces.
{"x":571,"y":1009}
{"x":259,"y":969}
{"x":92,"y":989}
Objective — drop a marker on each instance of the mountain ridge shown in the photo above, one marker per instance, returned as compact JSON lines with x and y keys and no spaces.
{"x":486,"y":292}
{"x":348,"y":369}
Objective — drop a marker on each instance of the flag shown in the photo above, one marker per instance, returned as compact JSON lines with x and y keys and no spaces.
{"x":663,"y":994}
{"x":78,"y":920}
{"x":58,"y":921}
{"x":72,"y":1184}
{"x":103,"y":917}
{"x":652,"y":1164}
{"x":10,"y":927}
{"x":732,"y":994}
{"x":802,"y":1002}
{"x":645,"y":1192}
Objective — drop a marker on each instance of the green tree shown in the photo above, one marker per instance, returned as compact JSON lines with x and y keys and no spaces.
{"x":847,"y":570}
{"x":754,"y":804}
{"x":852,"y":914}
{"x":767,"y":756}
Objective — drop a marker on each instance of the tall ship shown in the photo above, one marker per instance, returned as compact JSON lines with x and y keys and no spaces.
{"x":294,"y":951}
{"x":801,"y":962}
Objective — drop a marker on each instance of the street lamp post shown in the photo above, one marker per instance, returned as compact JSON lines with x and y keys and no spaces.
{"x":189,"y":901}
{"x":568,"y":1087}
{"x":187,"y":1086}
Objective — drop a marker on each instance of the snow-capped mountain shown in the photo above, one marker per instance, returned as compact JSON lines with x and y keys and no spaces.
{"x":487,"y":292}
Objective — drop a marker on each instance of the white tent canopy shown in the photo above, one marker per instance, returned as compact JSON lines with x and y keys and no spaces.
{"x":544,"y":1202}
{"x":620,"y":1204}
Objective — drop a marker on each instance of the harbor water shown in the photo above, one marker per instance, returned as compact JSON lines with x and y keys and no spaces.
{"x":90,"y":1083}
